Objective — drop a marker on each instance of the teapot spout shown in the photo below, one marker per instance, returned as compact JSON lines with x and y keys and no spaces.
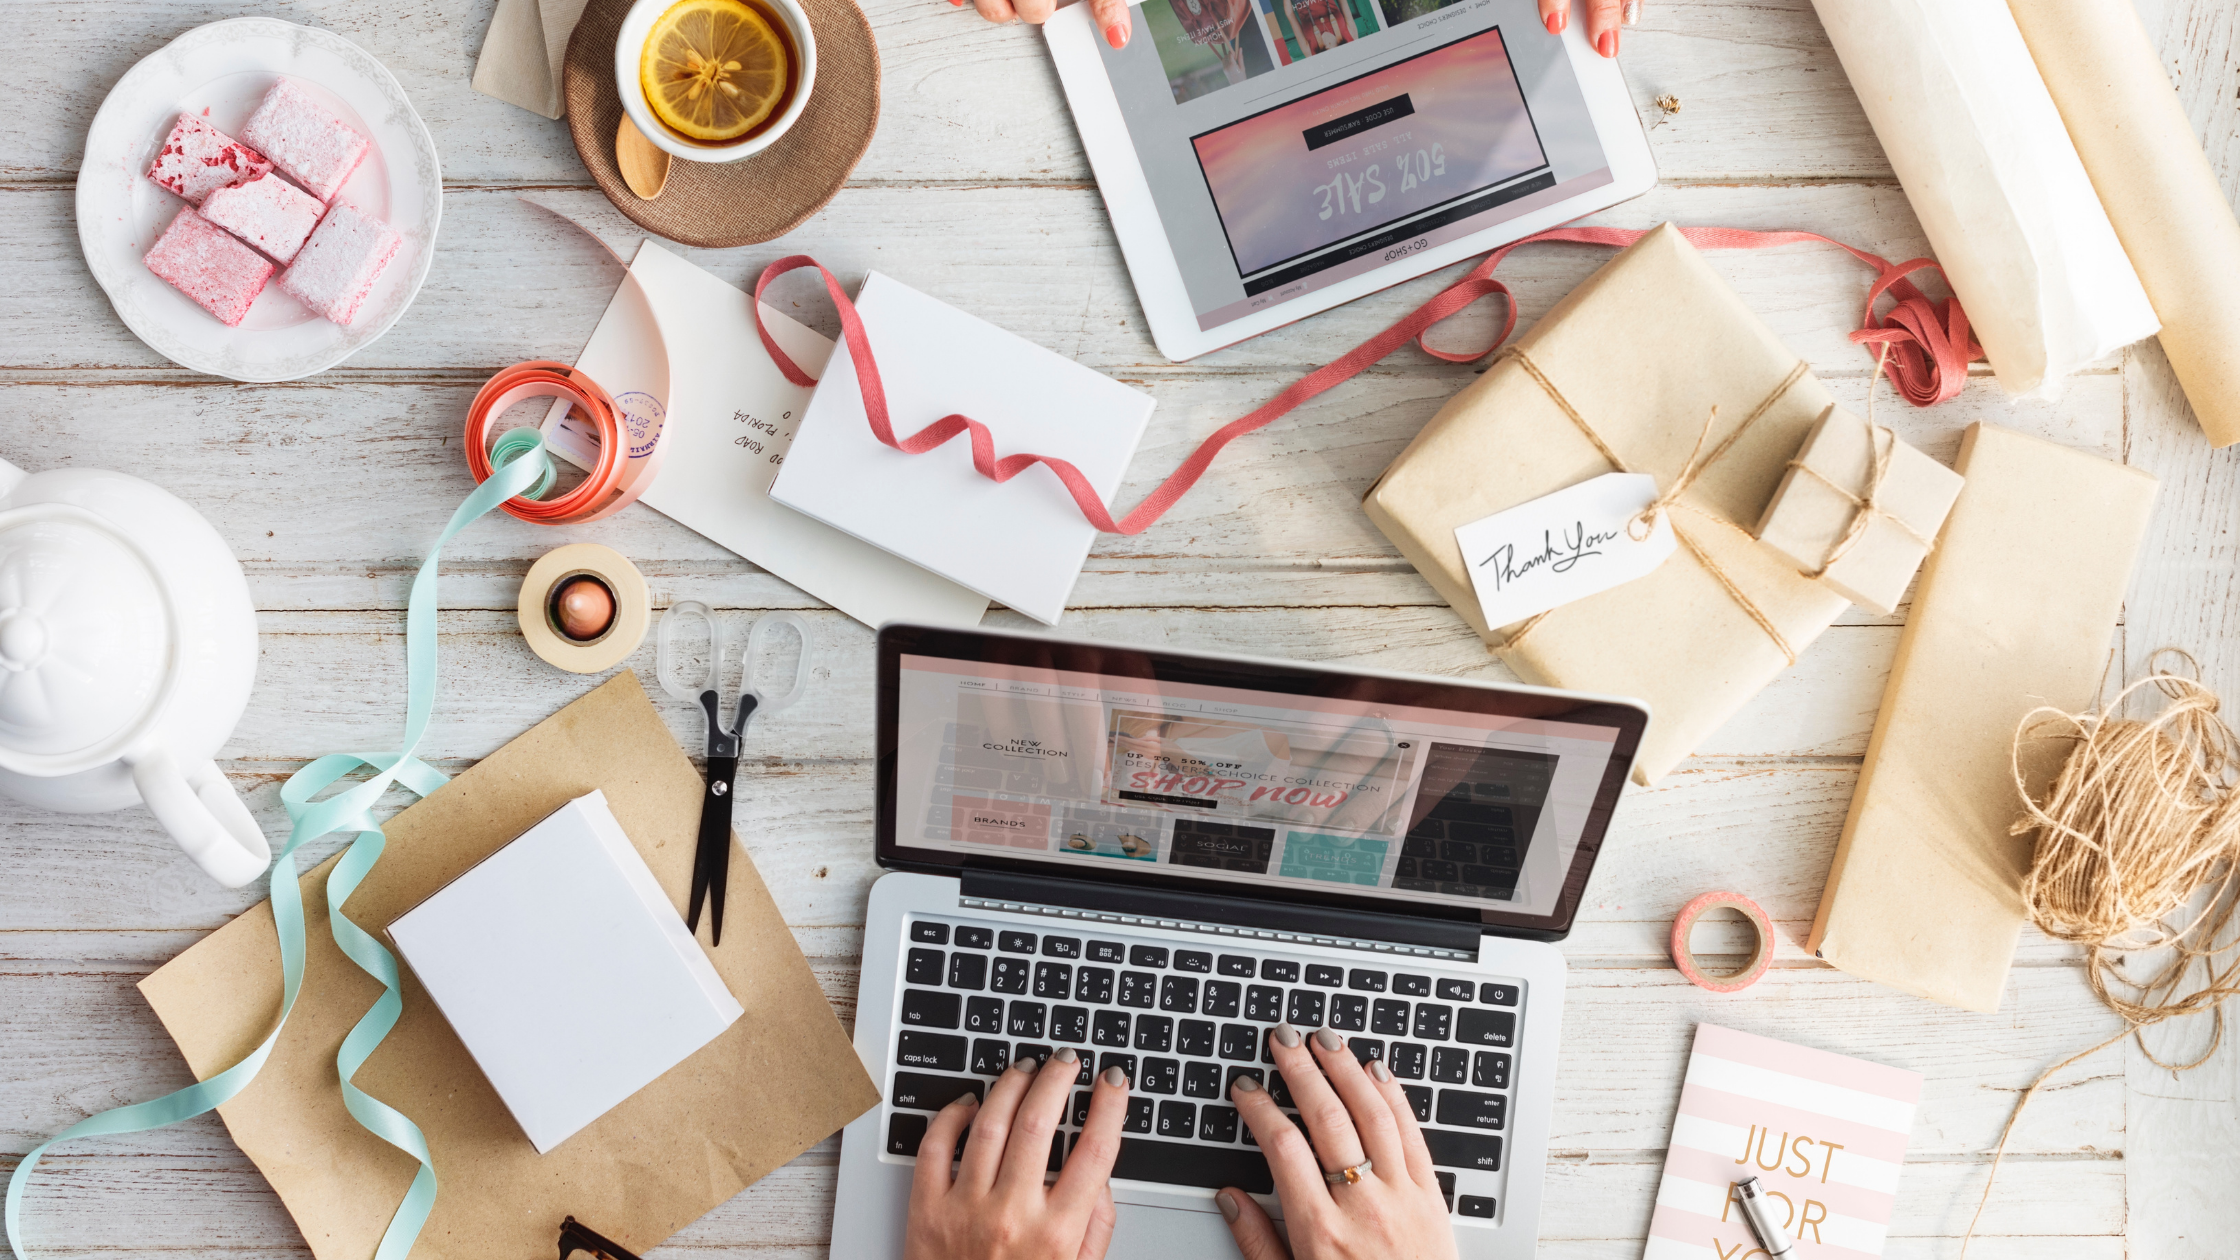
{"x":10,"y":477}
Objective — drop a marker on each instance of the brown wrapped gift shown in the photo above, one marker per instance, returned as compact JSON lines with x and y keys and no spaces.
{"x":1859,"y":509}
{"x":2015,"y":611}
{"x":1622,"y":373}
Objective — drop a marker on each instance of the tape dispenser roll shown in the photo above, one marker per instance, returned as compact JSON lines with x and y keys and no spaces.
{"x":546,"y":624}
{"x":1761,"y":957}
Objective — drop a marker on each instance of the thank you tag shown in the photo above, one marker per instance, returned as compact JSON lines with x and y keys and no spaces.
{"x":1563,"y":546}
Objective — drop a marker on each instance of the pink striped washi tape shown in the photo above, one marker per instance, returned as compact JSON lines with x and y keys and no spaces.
{"x":1760,"y":958}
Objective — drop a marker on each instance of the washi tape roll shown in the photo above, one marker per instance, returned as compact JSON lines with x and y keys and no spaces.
{"x":561,"y":600}
{"x":615,"y":479}
{"x":1761,"y":957}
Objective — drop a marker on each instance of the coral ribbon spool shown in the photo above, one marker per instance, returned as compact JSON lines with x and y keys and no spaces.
{"x":612,"y":484}
{"x":1760,"y":958}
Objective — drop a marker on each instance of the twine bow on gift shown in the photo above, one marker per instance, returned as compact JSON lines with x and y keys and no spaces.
{"x":1882,"y":444}
{"x":1671,"y":496}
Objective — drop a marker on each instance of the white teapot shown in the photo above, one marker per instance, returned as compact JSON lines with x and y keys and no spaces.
{"x":127,"y":647}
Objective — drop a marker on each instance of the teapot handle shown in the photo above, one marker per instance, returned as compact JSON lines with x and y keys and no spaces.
{"x":204,"y":814}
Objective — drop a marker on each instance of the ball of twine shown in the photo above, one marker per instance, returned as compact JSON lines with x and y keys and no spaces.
{"x":2137,"y":852}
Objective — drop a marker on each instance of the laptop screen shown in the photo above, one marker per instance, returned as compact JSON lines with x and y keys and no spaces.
{"x":1108,"y":763}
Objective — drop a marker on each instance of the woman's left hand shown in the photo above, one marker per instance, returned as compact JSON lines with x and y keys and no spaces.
{"x":995,"y":1206}
{"x":1113,"y":16}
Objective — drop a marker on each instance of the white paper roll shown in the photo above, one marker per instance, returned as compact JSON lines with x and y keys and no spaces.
{"x":1974,"y":136}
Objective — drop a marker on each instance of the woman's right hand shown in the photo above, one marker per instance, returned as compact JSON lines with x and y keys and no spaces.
{"x":1393,"y":1212}
{"x":1603,"y":19}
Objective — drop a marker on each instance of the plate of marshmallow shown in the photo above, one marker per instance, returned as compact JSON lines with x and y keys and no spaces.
{"x":259,"y":200}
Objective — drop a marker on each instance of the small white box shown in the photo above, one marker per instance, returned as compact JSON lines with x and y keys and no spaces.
{"x":1021,"y":543}
{"x":566,"y":971}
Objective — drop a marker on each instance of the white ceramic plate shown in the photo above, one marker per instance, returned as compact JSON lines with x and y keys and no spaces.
{"x":221,"y":71}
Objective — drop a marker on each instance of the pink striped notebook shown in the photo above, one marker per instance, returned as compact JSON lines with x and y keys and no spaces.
{"x":1824,"y":1133}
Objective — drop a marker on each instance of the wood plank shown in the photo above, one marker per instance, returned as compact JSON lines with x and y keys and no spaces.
{"x":90,"y":1204}
{"x":513,"y":284}
{"x":1765,"y":829}
{"x":1762,"y":94}
{"x":2184,"y":595}
{"x":84,"y":1039}
{"x":323,"y":518}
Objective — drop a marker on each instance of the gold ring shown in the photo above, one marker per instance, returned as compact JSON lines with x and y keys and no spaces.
{"x":1349,"y":1175}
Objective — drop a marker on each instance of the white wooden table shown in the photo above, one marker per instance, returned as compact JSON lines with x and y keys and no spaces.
{"x":976,"y":190}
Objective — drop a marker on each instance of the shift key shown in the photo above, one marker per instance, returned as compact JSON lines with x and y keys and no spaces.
{"x":938,"y":1051}
{"x":1463,"y":1150}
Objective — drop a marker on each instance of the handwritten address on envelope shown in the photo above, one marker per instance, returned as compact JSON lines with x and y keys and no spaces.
{"x":1563,"y":546}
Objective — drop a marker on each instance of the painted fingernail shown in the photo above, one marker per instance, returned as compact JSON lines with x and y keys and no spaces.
{"x":1287,"y":1036}
{"x":1377,"y":1070}
{"x":1633,"y":13}
{"x":1608,"y":44}
{"x":1243,"y":1085}
{"x":1027,"y":1066}
{"x":1329,"y":1040}
{"x":1228,"y":1205}
{"x":1557,"y":21}
{"x":1066,"y":1055}
{"x":1115,"y":1077}
{"x":1116,"y":35}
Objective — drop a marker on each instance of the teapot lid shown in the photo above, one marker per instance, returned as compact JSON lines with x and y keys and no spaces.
{"x":86,"y":646}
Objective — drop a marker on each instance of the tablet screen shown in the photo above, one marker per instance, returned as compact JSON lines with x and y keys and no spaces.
{"x":1292,"y":144}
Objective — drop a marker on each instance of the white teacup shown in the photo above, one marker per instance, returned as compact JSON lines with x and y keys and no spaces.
{"x":629,"y":46}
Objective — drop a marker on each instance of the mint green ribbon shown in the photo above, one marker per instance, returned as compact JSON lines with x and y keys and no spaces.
{"x":521,"y":466}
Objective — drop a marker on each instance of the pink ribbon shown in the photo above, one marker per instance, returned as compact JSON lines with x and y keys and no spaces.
{"x":1928,"y":342}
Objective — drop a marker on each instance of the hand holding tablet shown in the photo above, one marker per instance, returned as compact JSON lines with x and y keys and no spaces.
{"x":1603,"y":20}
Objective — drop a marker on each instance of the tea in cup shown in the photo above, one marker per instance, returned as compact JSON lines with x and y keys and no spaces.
{"x":714,"y":80}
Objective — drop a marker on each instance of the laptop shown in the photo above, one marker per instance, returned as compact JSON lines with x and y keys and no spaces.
{"x":1155,"y":857}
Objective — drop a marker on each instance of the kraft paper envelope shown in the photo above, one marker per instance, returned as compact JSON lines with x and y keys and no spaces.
{"x":779,"y":1080}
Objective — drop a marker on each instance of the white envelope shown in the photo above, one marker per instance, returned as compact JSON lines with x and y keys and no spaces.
{"x":1022,"y":542}
{"x":731,"y":418}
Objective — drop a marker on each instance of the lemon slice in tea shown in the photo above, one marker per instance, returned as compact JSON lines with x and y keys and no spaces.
{"x":713,"y":70}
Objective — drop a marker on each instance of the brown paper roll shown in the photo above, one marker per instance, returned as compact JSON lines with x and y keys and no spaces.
{"x":2147,"y":165}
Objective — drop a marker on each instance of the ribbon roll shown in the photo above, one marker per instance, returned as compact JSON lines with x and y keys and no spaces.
{"x":1761,"y":957}
{"x":612,"y":483}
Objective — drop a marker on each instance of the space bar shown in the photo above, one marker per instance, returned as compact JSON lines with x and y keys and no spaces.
{"x":1181,"y":1164}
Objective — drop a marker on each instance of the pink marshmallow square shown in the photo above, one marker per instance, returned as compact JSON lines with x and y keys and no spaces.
{"x":268,"y":212}
{"x":197,"y":159}
{"x":220,"y":273}
{"x":341,"y":262}
{"x":305,"y":140}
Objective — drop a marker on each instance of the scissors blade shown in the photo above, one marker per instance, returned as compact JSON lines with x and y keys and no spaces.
{"x":711,"y":866}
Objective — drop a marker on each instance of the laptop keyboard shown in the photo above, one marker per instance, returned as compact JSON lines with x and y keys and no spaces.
{"x":1184,"y":1022}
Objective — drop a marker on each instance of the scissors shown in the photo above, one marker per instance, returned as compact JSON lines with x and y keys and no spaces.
{"x":711,"y":867}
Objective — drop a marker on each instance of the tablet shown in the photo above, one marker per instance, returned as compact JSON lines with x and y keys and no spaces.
{"x":1263,"y":160}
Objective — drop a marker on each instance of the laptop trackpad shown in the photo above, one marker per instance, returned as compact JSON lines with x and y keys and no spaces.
{"x":1152,"y":1233}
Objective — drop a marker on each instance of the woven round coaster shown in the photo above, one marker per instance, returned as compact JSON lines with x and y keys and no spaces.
{"x":716,"y":205}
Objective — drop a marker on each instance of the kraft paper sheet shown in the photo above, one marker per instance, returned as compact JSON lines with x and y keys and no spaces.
{"x":779,"y":1080}
{"x":1643,"y":349}
{"x":523,"y":51}
{"x":2015,"y":610}
{"x":2165,"y":201}
{"x":1992,"y":175}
